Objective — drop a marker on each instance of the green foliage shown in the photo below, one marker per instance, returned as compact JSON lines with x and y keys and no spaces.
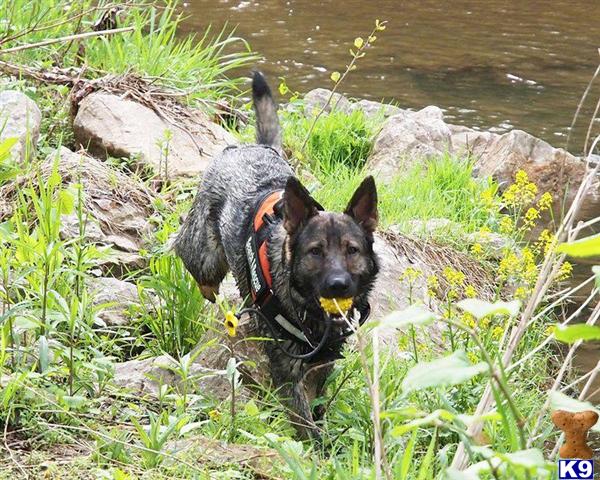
{"x":338,"y":140}
{"x":586,"y":247}
{"x":154,"y":48}
{"x":442,"y":188}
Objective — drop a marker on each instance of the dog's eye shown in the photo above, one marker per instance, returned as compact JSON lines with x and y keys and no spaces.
{"x":352,"y":250}
{"x":316,"y":251}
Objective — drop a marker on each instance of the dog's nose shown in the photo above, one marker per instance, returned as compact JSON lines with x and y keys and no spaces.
{"x":337,"y":285}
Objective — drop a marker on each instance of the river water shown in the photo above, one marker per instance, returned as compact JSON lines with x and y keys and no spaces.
{"x":494,"y":64}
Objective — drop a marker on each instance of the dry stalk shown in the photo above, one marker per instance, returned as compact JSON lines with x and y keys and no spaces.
{"x":67,"y":38}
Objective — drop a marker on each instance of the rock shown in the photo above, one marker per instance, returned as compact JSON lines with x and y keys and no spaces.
{"x":20,"y":117}
{"x":317,"y":98}
{"x":407,"y":138}
{"x":373,"y":109}
{"x":263,"y":462}
{"x":116,"y":207}
{"x":145,"y":377}
{"x":119,"y":297}
{"x":110,"y":125}
{"x":494,"y":244}
{"x":428,"y":228}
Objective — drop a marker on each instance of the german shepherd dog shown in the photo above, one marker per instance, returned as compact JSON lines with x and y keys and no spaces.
{"x":312,"y":254}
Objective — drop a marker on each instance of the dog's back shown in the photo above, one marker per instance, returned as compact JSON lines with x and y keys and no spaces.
{"x":210,"y":240}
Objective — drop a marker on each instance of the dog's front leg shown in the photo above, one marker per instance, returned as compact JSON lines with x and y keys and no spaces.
{"x":300,"y":411}
{"x":289,"y":377}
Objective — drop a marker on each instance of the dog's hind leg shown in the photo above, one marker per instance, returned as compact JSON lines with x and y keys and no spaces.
{"x":200,"y":248}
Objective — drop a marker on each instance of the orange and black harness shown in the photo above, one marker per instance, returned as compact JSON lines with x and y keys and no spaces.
{"x":266,"y":305}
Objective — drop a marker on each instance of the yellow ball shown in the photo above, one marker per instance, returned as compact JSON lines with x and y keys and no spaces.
{"x":336,"y":305}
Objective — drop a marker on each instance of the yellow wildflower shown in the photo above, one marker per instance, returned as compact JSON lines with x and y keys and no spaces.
{"x":468,"y":320}
{"x":497,"y":333}
{"x":231,"y":323}
{"x":214,"y":415}
{"x":545,"y":202}
{"x":472,"y":357}
{"x":488,"y":200}
{"x":521,"y":293}
{"x":454,"y":277}
{"x":433,"y":285}
{"x":506,"y":225}
{"x":531,"y":215}
{"x":521,"y":193}
{"x":470,"y":291}
{"x":477,"y":250}
{"x":484,"y":232}
{"x":545,"y":240}
{"x":565,"y":271}
{"x":411,"y":274}
{"x":521,"y":177}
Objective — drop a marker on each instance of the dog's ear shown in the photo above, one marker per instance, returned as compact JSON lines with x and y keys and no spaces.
{"x":298,"y":205}
{"x":363,"y":206}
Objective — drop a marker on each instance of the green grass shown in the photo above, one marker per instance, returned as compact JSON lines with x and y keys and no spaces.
{"x":441,"y":188}
{"x":197,"y":65}
{"x":338,"y":140}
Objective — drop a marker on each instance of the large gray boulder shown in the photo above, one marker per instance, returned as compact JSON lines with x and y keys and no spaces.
{"x":316,"y":99}
{"x":110,"y":125}
{"x":407,"y":138}
{"x":20,"y":118}
{"x":115,"y":298}
{"x":373,"y":109}
{"x":145,"y":377}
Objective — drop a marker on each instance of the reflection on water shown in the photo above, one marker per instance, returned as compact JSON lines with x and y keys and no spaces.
{"x":497,"y":64}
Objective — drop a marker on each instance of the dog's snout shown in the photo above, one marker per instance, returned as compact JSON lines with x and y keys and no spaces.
{"x":337,"y":285}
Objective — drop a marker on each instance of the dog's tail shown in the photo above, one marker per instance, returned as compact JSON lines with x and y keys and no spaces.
{"x":268,"y":131}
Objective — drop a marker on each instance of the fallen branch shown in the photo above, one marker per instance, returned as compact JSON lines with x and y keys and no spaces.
{"x":67,"y":38}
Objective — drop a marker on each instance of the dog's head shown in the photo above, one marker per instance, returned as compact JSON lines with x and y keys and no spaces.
{"x":331,"y":253}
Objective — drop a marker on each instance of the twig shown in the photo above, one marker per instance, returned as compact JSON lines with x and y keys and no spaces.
{"x":67,"y":38}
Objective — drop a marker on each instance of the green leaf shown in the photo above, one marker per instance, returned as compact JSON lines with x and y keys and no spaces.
{"x":430,"y":419}
{"x":74,"y":401}
{"x":451,"y":370}
{"x":251,"y":409}
{"x":480,"y":308}
{"x":6,"y":145}
{"x":358,"y":42}
{"x":335,"y":77}
{"x":560,"y":401}
{"x":66,"y":202}
{"x":413,"y":315}
{"x":43,"y":353}
{"x":586,"y":247}
{"x":429,"y":459}
{"x":573,"y":333}
{"x":530,"y":459}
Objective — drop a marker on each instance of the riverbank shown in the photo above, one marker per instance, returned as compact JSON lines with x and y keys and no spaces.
{"x":114,"y":366}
